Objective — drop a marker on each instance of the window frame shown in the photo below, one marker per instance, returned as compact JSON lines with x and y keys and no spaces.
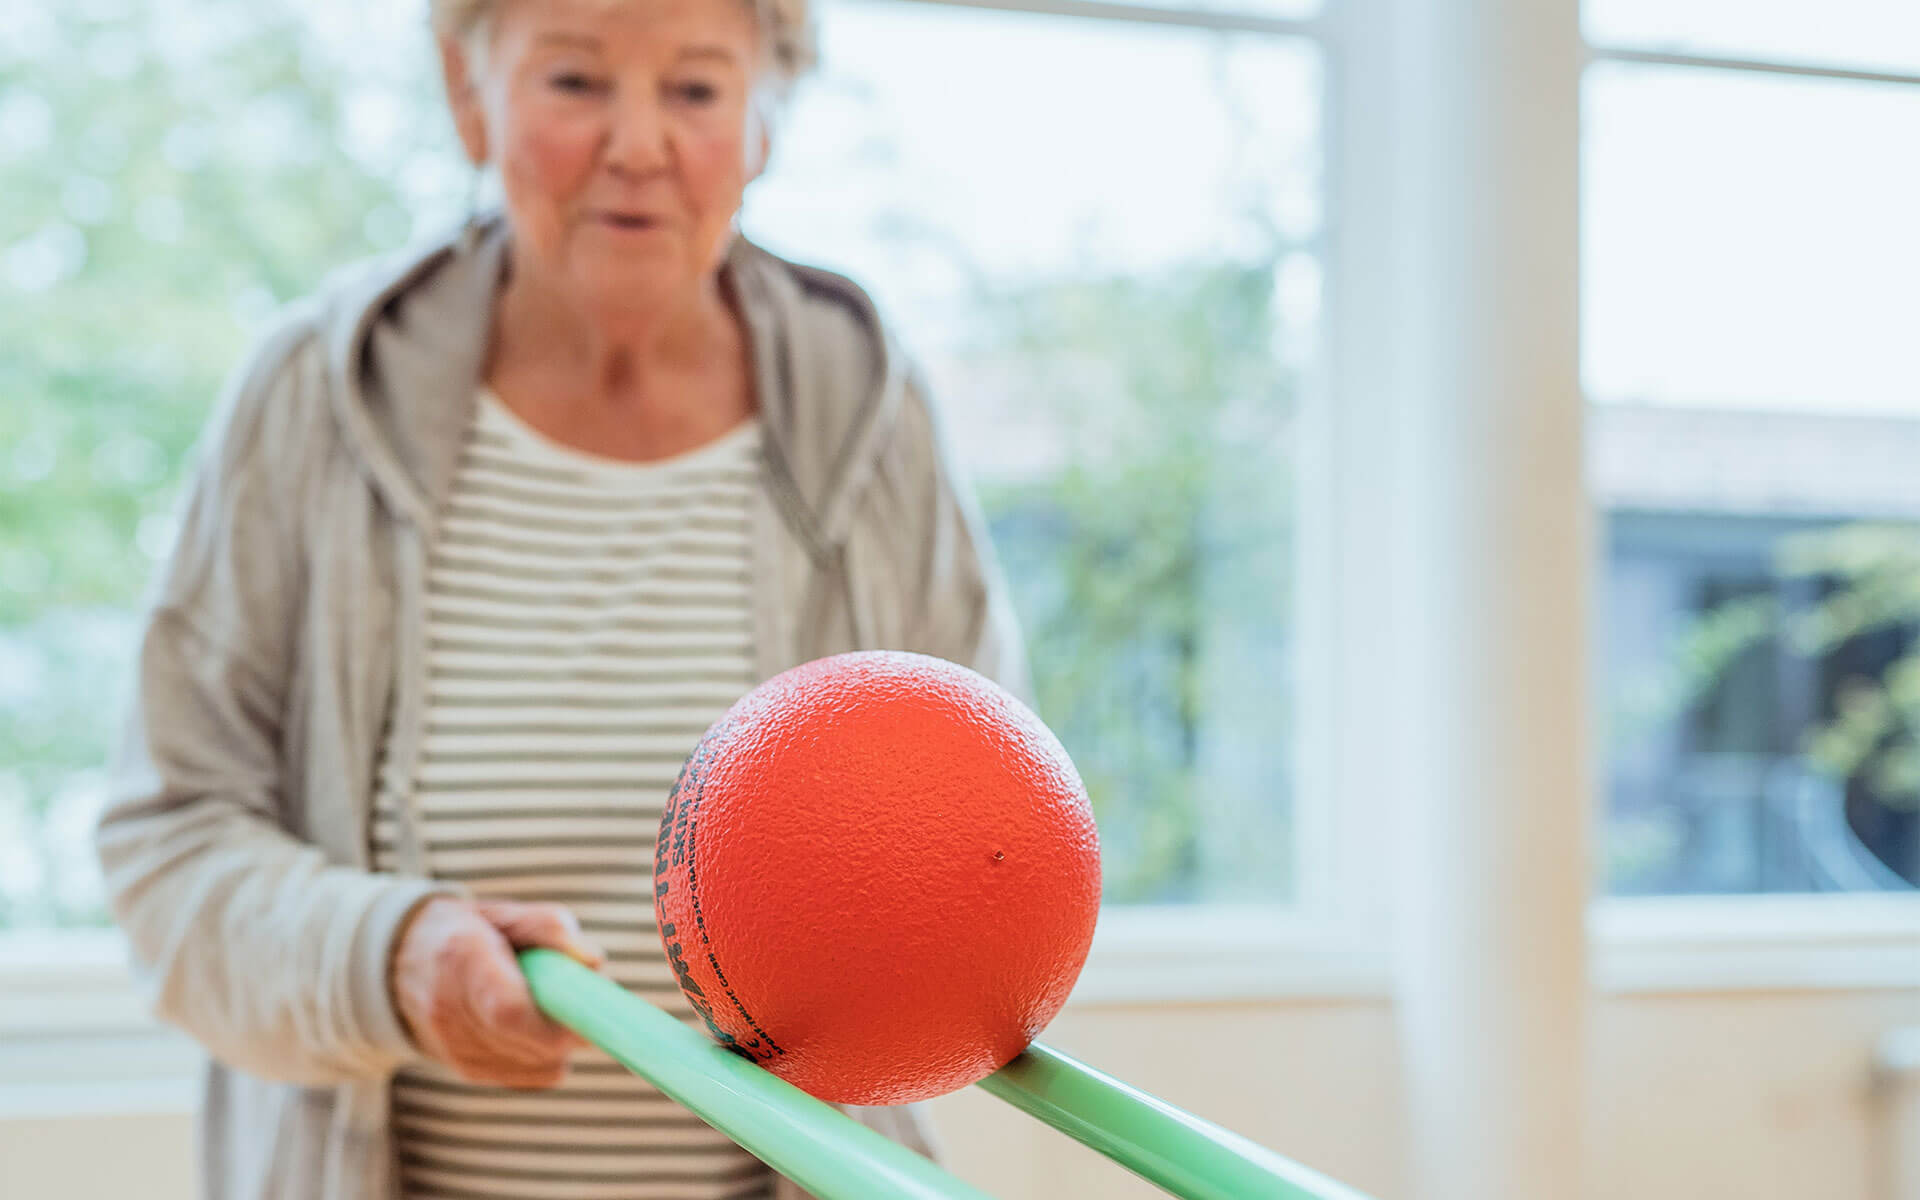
{"x":75,"y":1035}
{"x":1761,"y":940}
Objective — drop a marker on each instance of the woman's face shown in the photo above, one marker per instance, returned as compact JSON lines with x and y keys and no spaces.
{"x":625,"y":132}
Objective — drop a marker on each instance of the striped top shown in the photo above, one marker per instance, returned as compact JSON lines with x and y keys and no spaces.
{"x":587,"y":619}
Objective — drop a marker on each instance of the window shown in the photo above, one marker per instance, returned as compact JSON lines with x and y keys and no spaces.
{"x":1107,"y":261}
{"x":1748,"y":351}
{"x":172,"y":172}
{"x":1117,"y":339}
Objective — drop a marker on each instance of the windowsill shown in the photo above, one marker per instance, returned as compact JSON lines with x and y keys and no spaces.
{"x":75,"y":1041}
{"x":1159,"y":956}
{"x":1829,"y":942}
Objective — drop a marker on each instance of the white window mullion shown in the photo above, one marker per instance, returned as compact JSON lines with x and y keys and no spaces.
{"x":1483,"y":688}
{"x":1346,"y":589}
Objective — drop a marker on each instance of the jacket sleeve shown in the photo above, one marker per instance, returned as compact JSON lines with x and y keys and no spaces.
{"x":248,"y":938}
{"x":966,"y":612}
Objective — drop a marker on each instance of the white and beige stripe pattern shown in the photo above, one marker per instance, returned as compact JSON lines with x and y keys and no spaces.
{"x":586,"y":621}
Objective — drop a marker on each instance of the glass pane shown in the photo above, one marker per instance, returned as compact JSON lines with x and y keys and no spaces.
{"x":1749,"y":241}
{"x":1104,"y":261}
{"x":1860,"y":34}
{"x":1115,"y":331}
{"x":174,"y":168}
{"x":1765,"y":677}
{"x":1749,"y":345}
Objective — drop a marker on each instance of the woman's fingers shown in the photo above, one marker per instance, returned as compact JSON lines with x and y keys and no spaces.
{"x":503,"y":1006}
{"x":461,"y":993}
{"x":550,"y":926}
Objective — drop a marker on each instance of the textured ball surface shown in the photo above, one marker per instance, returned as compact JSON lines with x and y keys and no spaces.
{"x":878,"y":876}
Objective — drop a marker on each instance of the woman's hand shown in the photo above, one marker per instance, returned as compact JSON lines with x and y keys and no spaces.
{"x":460,"y":992}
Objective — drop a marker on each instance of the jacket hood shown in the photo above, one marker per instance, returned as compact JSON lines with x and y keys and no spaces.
{"x":406,"y":341}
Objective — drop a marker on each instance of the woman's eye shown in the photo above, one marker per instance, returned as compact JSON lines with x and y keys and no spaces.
{"x":573,"y":81}
{"x":697,"y":93}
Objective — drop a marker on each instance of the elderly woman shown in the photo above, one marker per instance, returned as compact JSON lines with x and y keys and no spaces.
{"x":480,"y":543}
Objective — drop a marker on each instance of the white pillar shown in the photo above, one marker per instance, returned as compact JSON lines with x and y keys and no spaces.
{"x":1490,"y":718}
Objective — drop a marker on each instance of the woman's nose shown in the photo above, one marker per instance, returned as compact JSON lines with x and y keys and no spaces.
{"x":637,"y":143}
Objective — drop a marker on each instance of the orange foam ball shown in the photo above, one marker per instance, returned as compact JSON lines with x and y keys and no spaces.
{"x":878,"y":876}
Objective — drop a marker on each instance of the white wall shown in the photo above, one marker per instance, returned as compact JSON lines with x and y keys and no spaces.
{"x":1760,"y":1096}
{"x":1755,"y":1096}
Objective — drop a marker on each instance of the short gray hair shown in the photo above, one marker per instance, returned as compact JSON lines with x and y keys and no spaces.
{"x":786,"y":29}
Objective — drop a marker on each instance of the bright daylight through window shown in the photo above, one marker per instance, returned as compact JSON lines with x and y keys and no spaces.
{"x":1749,"y":338}
{"x":1117,"y":338}
{"x":1111,"y":264}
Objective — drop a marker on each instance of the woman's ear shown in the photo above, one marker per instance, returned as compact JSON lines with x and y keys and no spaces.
{"x":463,"y":100}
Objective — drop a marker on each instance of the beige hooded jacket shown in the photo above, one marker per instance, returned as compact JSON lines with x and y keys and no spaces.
{"x":287,"y":628}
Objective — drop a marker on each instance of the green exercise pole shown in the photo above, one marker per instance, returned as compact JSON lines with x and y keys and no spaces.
{"x":812,"y":1143}
{"x":836,"y":1158}
{"x":1189,"y":1157}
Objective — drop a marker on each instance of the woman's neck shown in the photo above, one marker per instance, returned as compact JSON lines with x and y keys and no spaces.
{"x":607,"y":356}
{"x":637,"y":386}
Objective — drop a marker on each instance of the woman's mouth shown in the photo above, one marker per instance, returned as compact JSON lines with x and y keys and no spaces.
{"x":628,"y":222}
